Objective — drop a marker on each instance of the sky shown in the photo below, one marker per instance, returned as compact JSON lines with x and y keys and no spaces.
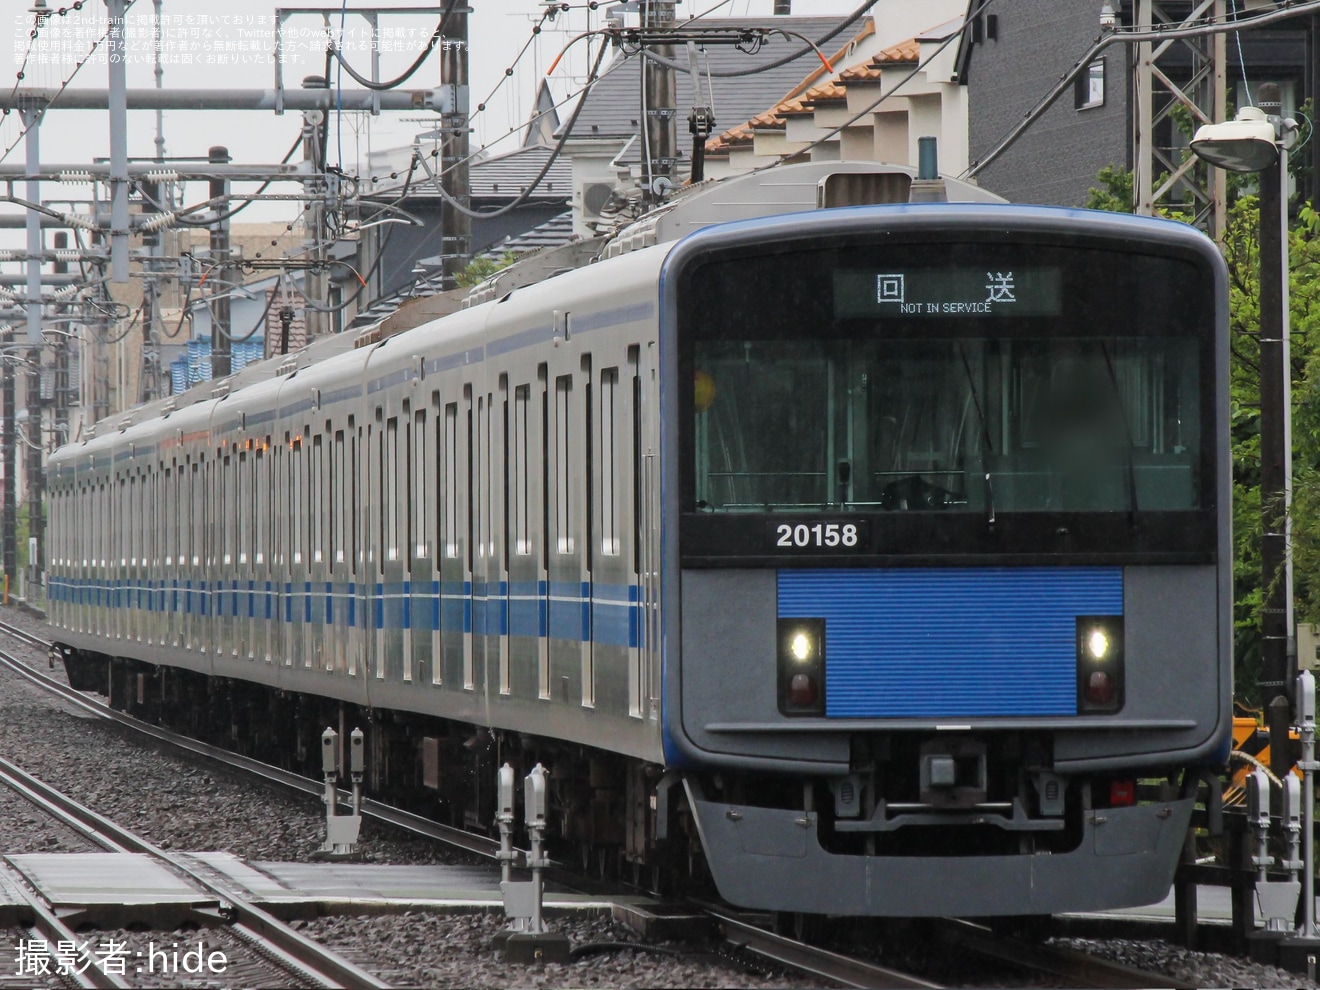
{"x":201,"y":49}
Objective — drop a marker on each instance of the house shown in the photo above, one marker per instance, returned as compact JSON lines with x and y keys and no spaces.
{"x":1016,"y":53}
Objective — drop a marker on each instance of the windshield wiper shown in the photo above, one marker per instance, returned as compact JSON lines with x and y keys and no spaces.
{"x":986,"y":448}
{"x":1127,"y":430}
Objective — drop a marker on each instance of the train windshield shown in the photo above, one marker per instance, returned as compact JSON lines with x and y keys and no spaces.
{"x":976,"y":423}
{"x":1003,"y":378}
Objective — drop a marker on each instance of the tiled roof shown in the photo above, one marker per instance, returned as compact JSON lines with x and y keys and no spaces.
{"x":799,"y":103}
{"x":612,"y":108}
{"x":554,"y":232}
{"x":506,"y":176}
{"x":902,"y":53}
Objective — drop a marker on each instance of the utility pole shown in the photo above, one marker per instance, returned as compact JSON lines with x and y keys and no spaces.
{"x":658,"y":106}
{"x":316,"y":289}
{"x":160,"y":81}
{"x":219,"y":190}
{"x":117,"y":51}
{"x":150,"y":385}
{"x":456,"y":233}
{"x":31,"y":118}
{"x":1278,"y":653}
{"x":36,"y":470}
{"x":1157,"y":172}
{"x":60,"y":425}
{"x":9,"y":524}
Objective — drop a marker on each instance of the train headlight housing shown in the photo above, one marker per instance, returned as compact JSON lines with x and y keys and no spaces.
{"x":1099,"y":664}
{"x":801,"y":666}
{"x":1097,"y":644}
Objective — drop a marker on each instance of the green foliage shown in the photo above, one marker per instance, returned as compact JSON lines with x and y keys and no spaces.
{"x":480,"y":269}
{"x":1241,"y":248}
{"x":1114,"y":193}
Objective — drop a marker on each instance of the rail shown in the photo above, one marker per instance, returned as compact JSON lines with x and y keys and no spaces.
{"x":811,"y":960}
{"x":302,"y":956}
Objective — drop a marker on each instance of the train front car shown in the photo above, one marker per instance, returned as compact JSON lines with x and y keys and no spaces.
{"x":947,"y":523}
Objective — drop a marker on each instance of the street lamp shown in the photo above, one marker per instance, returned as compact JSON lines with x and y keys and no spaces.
{"x":1257,"y":140}
{"x":1248,"y":143}
{"x":1252,"y":143}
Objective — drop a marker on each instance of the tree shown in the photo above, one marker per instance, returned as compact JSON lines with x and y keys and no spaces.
{"x":483,"y":267}
{"x":1241,"y":246}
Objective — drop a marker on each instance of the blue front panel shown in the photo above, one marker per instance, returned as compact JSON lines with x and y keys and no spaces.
{"x":940,"y":642}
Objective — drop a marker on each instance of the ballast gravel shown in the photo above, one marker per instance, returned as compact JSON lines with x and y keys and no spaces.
{"x":165,"y":797}
{"x":182,"y":805}
{"x":455,"y":950}
{"x":1201,"y":969}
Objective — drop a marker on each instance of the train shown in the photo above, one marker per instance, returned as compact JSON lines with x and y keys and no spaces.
{"x":865,"y":560}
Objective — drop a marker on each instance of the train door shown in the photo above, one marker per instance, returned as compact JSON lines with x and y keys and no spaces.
{"x":501,"y":421}
{"x":646,"y":520}
{"x":356,"y":472}
{"x":337,"y":563}
{"x":612,"y":586}
{"x":569,"y":614}
{"x":262,"y":510}
{"x":420,"y":546}
{"x":588,"y":522}
{"x":391,"y":639}
{"x":467,"y":538}
{"x":372,"y":573}
{"x":316,"y":607}
{"x":485,"y":599}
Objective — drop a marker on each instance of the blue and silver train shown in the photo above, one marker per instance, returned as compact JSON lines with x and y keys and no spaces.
{"x":860,"y":559}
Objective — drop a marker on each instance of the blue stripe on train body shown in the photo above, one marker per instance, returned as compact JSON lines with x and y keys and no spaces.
{"x":949,"y":641}
{"x":606,"y":614}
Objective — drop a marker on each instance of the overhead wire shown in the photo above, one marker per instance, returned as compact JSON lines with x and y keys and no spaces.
{"x":1128,"y":35}
{"x":436,"y":35}
{"x":523,"y":196}
{"x":63,"y":86}
{"x":824,"y":39}
{"x":1242,"y":62}
{"x":188,"y":222}
{"x":953,"y":35}
{"x":509,"y":70}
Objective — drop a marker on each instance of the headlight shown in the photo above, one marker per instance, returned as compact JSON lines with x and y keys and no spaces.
{"x":801,"y":666}
{"x":1097,"y":644}
{"x":801,"y":648}
{"x":1099,"y":664}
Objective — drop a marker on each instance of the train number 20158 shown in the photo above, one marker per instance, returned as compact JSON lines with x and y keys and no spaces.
{"x":816,"y":535}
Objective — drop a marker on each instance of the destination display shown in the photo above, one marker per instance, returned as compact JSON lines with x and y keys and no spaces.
{"x":948,"y":292}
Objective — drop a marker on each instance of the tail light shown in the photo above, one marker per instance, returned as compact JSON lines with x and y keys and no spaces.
{"x":801,"y":666}
{"x":1100,"y":661}
{"x":1122,"y":793}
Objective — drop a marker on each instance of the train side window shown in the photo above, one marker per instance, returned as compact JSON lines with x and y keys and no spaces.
{"x":354,"y":474}
{"x":589,"y":465}
{"x":260,"y":505}
{"x":246,"y":510}
{"x":545,"y":467}
{"x":337,"y":492}
{"x":320,"y":502}
{"x":389,"y":498}
{"x":505,"y":523}
{"x":637,"y":472}
{"x":126,"y":500}
{"x":449,"y":481}
{"x":609,"y":467}
{"x":522,"y":544}
{"x":417,"y":475}
{"x":563,"y":467}
{"x":471,"y":479}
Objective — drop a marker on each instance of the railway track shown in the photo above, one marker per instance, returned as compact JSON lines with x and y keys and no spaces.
{"x":741,"y":938}
{"x":289,"y":953}
{"x":1064,"y":967}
